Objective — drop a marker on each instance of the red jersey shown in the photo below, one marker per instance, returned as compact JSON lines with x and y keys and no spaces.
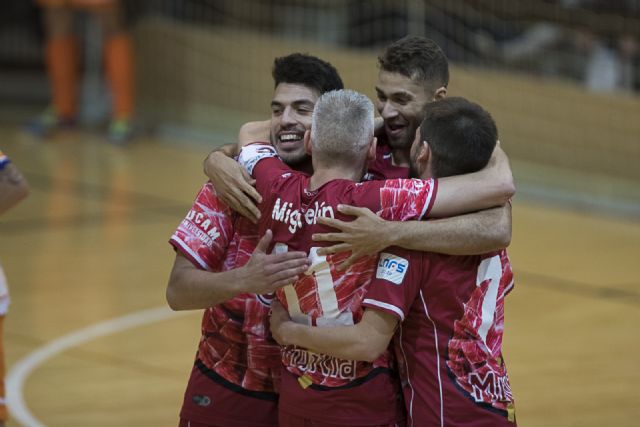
{"x":235,"y":349}
{"x":382,"y":167}
{"x":449,"y":344}
{"x":325,"y":296}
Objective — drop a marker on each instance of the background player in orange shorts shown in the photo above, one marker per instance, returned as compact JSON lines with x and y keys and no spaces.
{"x":62,"y":53}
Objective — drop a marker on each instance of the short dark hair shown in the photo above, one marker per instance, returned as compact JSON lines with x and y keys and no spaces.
{"x":307,"y":70}
{"x":418,"y":58}
{"x":461,"y":135}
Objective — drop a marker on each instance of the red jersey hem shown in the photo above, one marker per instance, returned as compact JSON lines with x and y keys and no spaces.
{"x":395,"y":413}
{"x":181,"y":247}
{"x":386,"y":307}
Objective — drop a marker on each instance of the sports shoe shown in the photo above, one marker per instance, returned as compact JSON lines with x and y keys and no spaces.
{"x":47,"y":123}
{"x":120,"y":131}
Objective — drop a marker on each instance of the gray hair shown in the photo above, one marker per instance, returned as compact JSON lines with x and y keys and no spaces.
{"x":342,"y":126}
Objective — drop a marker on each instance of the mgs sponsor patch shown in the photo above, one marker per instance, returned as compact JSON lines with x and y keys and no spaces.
{"x":392,"y":268}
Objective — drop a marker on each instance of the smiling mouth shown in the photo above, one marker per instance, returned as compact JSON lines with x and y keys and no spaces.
{"x":290,"y":138}
{"x":394,"y":129}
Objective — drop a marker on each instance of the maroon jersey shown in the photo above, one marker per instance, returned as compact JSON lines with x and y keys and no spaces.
{"x":449,"y":344}
{"x":382,"y":167}
{"x":235,"y":349}
{"x":325,"y":296}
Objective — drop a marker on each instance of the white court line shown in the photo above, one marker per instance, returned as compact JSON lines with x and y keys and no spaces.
{"x":20,"y":371}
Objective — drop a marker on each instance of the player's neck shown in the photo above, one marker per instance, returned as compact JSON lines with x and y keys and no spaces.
{"x":304,"y":167}
{"x":323,"y":175}
{"x":400,"y":157}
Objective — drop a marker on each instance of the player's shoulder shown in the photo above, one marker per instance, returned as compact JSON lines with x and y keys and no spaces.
{"x":394,"y":263}
{"x":406,"y":183}
{"x":471,"y":262}
{"x":350,"y":192}
{"x":289,"y":183}
{"x":207,"y":200}
{"x":291,"y":177}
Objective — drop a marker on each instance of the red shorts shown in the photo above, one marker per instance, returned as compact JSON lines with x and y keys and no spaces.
{"x":289,"y":420}
{"x":212,"y":401}
{"x":375,"y":402}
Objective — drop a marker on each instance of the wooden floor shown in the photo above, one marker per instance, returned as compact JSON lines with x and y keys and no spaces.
{"x":89,"y":247}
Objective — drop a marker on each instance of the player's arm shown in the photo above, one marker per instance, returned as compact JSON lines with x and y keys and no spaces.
{"x":470,"y":234}
{"x":233,"y":185}
{"x":261,"y":161}
{"x":13,"y":185}
{"x":365,"y":340}
{"x":191,"y":288}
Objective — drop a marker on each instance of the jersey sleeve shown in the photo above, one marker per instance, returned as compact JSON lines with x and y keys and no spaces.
{"x":263,"y":163}
{"x":204,"y":234}
{"x":396,"y":283}
{"x":407,"y":199}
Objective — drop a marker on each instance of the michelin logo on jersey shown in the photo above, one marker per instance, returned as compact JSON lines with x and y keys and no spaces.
{"x":392,"y":268}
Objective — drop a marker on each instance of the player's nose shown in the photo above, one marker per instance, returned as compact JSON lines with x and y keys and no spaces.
{"x":288,"y":116}
{"x":387,"y":110}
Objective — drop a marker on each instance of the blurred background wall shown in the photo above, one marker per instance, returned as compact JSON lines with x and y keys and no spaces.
{"x":561,"y":77}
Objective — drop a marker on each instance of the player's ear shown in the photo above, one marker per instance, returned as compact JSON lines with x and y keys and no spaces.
{"x":440,"y":93}
{"x":307,"y":141}
{"x":424,"y":153}
{"x":371,"y":153}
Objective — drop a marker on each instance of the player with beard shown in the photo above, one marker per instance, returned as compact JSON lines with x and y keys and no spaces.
{"x":450,"y":308}
{"x":413,"y":72}
{"x":343,"y":392}
{"x":222,"y":268}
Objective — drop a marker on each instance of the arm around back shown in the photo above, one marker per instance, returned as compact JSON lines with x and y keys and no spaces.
{"x":471,"y":234}
{"x":366,"y":340}
{"x":253,"y":132}
{"x":232,"y":183}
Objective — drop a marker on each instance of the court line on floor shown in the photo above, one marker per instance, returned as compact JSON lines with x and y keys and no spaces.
{"x":583,"y":289}
{"x":22,"y":369}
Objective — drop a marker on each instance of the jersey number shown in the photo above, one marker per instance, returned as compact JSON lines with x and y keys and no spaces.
{"x":326,"y":292}
{"x":489,"y":269}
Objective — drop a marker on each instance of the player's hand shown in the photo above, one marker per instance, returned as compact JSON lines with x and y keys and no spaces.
{"x":264,"y":273}
{"x":363,"y":236}
{"x":279,"y":322}
{"x":233,"y":185}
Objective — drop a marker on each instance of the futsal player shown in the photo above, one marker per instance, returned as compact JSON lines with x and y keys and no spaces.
{"x":236,"y":371}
